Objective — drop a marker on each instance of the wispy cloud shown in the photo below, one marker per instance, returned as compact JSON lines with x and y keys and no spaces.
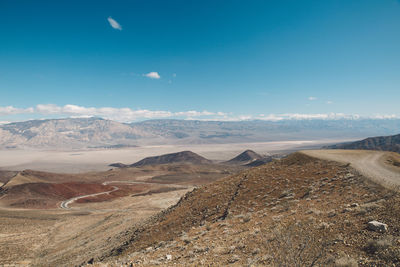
{"x":385,"y":116}
{"x":301,"y":116}
{"x":10,"y":110}
{"x":130,"y":115}
{"x":329,"y":102}
{"x":117,"y":114}
{"x":152,"y":75}
{"x":114,"y":23}
{"x":312,"y":98}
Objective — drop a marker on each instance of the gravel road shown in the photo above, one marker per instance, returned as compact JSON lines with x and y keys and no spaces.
{"x":65,"y":204}
{"x":372,"y":164}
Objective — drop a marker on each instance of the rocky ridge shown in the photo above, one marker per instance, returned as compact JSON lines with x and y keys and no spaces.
{"x":297,"y":211}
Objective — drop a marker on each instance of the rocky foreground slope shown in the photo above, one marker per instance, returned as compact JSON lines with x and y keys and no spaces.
{"x":299,"y":211}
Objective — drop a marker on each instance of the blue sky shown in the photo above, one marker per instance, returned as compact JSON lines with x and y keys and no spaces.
{"x":199,"y":59}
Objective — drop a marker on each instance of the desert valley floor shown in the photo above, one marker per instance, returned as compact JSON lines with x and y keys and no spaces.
{"x":310,"y":207}
{"x":76,"y":161}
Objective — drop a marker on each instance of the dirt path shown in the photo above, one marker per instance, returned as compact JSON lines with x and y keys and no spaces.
{"x":148,"y":183}
{"x":65,"y":203}
{"x":371,"y":164}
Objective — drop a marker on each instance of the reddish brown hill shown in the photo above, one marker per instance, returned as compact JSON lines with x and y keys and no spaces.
{"x":47,"y":195}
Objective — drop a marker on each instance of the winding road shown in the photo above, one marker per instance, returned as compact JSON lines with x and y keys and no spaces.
{"x":371,"y":164}
{"x":65,"y":203}
{"x":142,"y":182}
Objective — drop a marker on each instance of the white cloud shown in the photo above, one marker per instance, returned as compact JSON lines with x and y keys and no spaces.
{"x":312,"y":98}
{"x":193,"y":113}
{"x":385,"y":116}
{"x":316,"y":116}
{"x":48,"y":109}
{"x":10,"y":110}
{"x":119,"y":114}
{"x":329,"y":102}
{"x":152,"y":75}
{"x":174,"y":75}
{"x":130,"y":115}
{"x":114,"y":23}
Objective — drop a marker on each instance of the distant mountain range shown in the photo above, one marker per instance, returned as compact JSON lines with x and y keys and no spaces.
{"x":87,"y":133}
{"x":386,"y":143}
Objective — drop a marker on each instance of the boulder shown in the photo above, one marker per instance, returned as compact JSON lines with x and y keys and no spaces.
{"x":377,"y":226}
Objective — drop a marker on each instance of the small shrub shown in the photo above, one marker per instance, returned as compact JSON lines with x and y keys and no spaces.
{"x":374,"y":246}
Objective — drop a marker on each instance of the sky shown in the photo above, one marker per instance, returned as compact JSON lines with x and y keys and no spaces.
{"x":210,"y":60}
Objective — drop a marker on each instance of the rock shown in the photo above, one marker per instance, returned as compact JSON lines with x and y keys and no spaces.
{"x":313,"y":211}
{"x":323,"y":225}
{"x":377,"y":226}
{"x":331,"y":213}
{"x":346,"y":210}
{"x":234,"y":259}
{"x":198,"y":249}
{"x":155,"y":262}
{"x":255,"y":251}
{"x":185,"y":239}
{"x":169,"y":257}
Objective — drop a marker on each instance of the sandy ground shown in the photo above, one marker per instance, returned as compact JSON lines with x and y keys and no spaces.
{"x":98,"y":160}
{"x":69,"y":237}
{"x":372,"y":164}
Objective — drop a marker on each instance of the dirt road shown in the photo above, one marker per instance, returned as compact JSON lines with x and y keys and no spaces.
{"x":148,"y":183}
{"x":65,"y":203}
{"x":372,"y":164}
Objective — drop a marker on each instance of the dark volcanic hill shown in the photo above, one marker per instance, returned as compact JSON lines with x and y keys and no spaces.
{"x":259,"y":162}
{"x":118,"y":165}
{"x":179,"y":157}
{"x":386,"y":143}
{"x":245,"y":157}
